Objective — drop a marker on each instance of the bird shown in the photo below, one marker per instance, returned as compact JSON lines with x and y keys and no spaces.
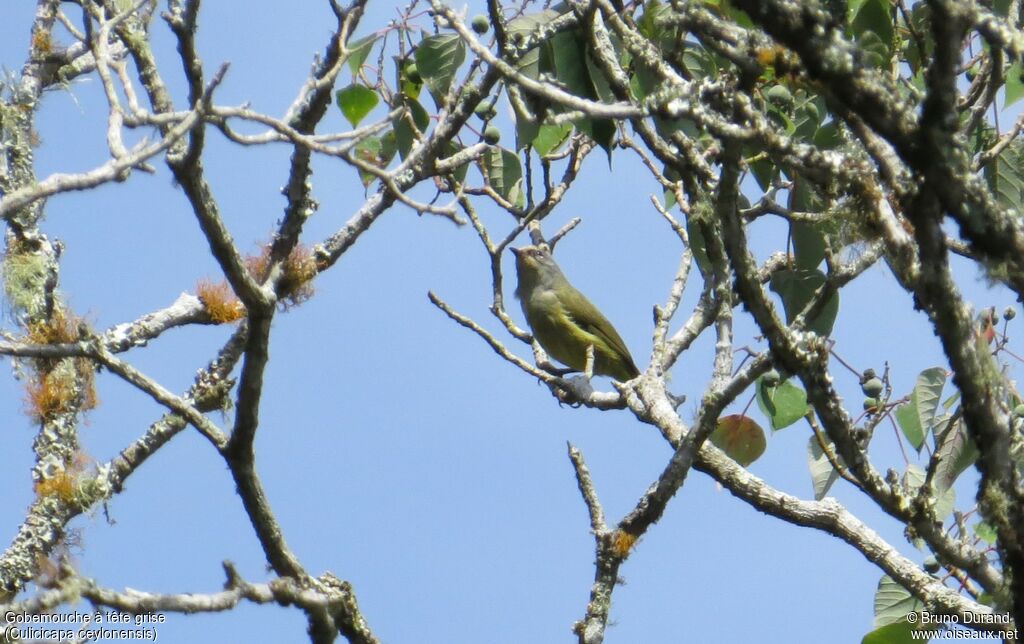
{"x":564,"y":322}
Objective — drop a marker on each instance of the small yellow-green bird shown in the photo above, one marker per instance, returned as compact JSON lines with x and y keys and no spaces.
{"x":564,"y":321}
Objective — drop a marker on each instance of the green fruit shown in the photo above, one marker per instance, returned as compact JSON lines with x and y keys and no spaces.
{"x":780,"y":95}
{"x":1009,"y":313}
{"x":771,"y":378}
{"x":492,"y":135}
{"x":480,"y":24}
{"x":870,"y":404}
{"x":485,"y":110}
{"x":931,"y":565}
{"x":811,"y":110}
{"x":1019,"y":410}
{"x":872,"y":387}
{"x":413,"y":73}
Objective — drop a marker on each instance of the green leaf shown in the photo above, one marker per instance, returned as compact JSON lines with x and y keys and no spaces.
{"x":698,"y":61}
{"x":828,"y":137}
{"x":928,"y":394}
{"x":359,"y":50}
{"x":505,"y":174}
{"x":893,"y":603}
{"x":784,"y":404}
{"x":569,"y":53}
{"x":410,"y":82}
{"x":808,"y":245}
{"x":945,"y":500}
{"x":1014,"y":84}
{"x":670,"y":199}
{"x":531,"y":65}
{"x":378,"y":151}
{"x":796,"y":288}
{"x":574,"y":71}
{"x":907,"y":419}
{"x":602,"y":88}
{"x":876,"y":50}
{"x":551,"y":137}
{"x":764,"y":172}
{"x":438,"y":59}
{"x":601,"y":131}
{"x":698,"y":246}
{"x":460,"y":172}
{"x":956,"y":453}
{"x":405,"y":134}
{"x":805,"y":197}
{"x":823,"y":475}
{"x":666,"y":127}
{"x":645,"y":80}
{"x":577,"y":74}
{"x":920,"y":18}
{"x":871,"y":24}
{"x":1005,"y":177}
{"x":739,"y":16}
{"x":900,"y":632}
{"x":648,"y":23}
{"x":806,"y":118}
{"x":739,"y":437}
{"x":952,"y":400}
{"x":781,"y":118}
{"x":985,"y":532}
{"x":527,"y":130}
{"x":356,"y":101}
{"x":521,"y":28}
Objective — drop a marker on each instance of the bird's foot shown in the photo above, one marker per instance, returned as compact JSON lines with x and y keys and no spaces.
{"x":581,"y":387}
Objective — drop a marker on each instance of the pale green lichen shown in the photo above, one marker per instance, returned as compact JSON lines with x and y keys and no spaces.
{"x":24,"y":277}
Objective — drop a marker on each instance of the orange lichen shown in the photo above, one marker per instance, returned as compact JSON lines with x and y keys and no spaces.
{"x":42,"y":42}
{"x":622,"y":542}
{"x":782,"y":62}
{"x":60,"y":385}
{"x":221,"y":303}
{"x":69,"y":484}
{"x":767,"y":55}
{"x":294,"y":286}
{"x":61,"y":328}
{"x":63,"y":486}
{"x":297,"y":271}
{"x":49,"y":395}
{"x":86,"y":384}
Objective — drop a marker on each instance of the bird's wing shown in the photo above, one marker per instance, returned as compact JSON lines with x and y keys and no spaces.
{"x":591,"y":320}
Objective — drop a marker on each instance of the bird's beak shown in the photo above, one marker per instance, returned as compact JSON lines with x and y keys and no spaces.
{"x":515,"y":251}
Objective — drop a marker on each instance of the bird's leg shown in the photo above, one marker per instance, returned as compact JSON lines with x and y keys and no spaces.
{"x":542,"y":360}
{"x":588,"y":368}
{"x":581,"y":385}
{"x":556,"y":371}
{"x":550,"y":367}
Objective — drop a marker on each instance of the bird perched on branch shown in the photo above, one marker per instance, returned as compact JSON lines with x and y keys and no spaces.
{"x":564,"y":321}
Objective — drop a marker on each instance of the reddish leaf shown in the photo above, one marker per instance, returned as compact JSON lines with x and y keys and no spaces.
{"x":739,"y":437}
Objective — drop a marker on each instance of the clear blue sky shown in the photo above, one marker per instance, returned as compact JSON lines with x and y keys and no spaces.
{"x":397,"y":449}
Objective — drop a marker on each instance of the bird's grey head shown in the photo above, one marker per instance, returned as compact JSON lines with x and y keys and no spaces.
{"x":536,"y":268}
